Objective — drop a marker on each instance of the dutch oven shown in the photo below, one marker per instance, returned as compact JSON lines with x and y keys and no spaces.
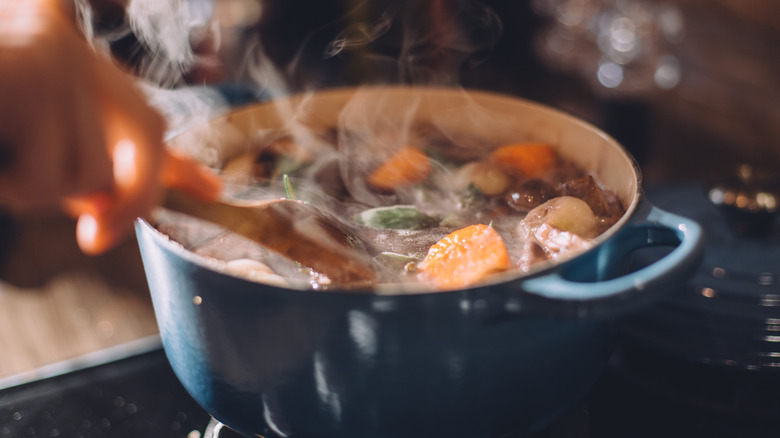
{"x":503,"y":358}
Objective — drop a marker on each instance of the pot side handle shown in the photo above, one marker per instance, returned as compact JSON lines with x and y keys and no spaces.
{"x":600,"y":274}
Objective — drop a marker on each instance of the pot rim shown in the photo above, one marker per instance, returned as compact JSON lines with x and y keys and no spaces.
{"x":398,"y":289}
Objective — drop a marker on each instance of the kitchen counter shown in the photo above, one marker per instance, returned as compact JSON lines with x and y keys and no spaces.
{"x":58,"y":305}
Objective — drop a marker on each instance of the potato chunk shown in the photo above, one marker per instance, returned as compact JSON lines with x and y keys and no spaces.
{"x":485,"y":176}
{"x":255,"y":271}
{"x":565,"y":213}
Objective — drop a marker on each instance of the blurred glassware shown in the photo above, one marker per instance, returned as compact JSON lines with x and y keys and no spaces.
{"x":619,"y":46}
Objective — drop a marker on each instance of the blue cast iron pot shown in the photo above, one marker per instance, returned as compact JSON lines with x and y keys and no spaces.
{"x":501,"y":359}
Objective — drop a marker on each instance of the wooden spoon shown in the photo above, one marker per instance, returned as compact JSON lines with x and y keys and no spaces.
{"x":296,"y":230}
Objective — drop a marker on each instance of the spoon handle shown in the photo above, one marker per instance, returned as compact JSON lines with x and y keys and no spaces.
{"x":291,"y":228}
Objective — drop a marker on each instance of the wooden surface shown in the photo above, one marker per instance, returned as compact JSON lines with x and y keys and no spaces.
{"x":57,"y":304}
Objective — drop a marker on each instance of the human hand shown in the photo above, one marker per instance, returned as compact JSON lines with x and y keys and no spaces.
{"x":76,"y":132}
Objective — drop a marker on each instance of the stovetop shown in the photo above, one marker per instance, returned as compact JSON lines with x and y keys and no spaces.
{"x":640,"y":394}
{"x":643,"y":392}
{"x":133,"y":397}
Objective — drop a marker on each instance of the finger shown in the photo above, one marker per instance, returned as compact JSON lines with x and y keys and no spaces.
{"x":94,"y":204}
{"x":102,"y":226}
{"x":134,"y":132}
{"x":136,"y":192}
{"x":95,"y":237}
{"x":90,"y":236}
{"x":85,"y":168}
{"x":58,"y":145}
{"x":91,"y":168}
{"x":33,"y":180}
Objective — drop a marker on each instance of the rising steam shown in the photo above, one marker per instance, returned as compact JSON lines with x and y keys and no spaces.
{"x":168,"y":30}
{"x":360,"y":34}
{"x":371,"y":42}
{"x":394,"y":41}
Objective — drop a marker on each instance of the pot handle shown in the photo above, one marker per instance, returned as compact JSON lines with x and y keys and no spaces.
{"x":598,"y":274}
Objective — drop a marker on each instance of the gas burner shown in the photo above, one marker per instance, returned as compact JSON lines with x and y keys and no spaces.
{"x":572,"y":424}
{"x":215,"y":429}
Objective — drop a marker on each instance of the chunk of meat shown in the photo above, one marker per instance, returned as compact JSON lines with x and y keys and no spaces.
{"x":532,"y":254}
{"x":587,"y":189}
{"x":560,"y":226}
{"x":529,"y":194}
{"x":557,"y":243}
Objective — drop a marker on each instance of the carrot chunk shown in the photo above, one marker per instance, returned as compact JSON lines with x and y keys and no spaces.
{"x":464,"y":257}
{"x":527,"y":159}
{"x":409,"y":165}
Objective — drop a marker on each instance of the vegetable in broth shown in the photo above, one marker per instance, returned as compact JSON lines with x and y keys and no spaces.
{"x":431,"y":213}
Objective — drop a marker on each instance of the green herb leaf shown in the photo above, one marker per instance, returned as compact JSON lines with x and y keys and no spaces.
{"x":395,"y":262}
{"x":398,"y":217}
{"x":289,"y":191}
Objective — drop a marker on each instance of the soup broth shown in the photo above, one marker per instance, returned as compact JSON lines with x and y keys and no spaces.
{"x":432,"y":209}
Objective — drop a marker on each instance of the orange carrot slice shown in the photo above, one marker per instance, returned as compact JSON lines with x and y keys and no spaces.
{"x":527,"y":159}
{"x":464,"y":257}
{"x":409,"y":165}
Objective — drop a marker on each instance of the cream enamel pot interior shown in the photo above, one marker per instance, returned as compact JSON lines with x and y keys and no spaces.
{"x":501,"y":359}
